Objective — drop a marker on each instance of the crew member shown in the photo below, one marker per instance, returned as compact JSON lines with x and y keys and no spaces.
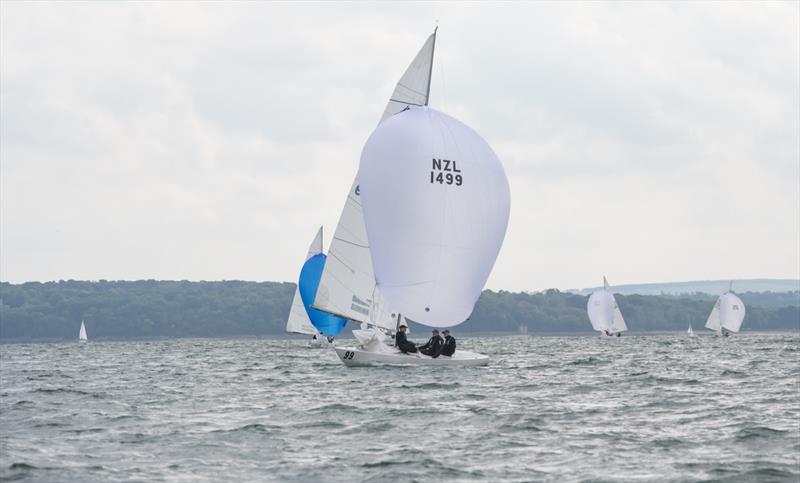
{"x":449,"y":347}
{"x":434,"y":345}
{"x":401,"y":341}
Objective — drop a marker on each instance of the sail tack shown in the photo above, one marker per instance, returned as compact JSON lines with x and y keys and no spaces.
{"x":347,"y":287}
{"x":298,"y":321}
{"x":436,"y":207}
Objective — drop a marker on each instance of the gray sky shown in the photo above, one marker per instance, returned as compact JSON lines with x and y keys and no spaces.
{"x":648,"y":142}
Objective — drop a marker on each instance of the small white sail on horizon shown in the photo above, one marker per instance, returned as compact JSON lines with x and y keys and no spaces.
{"x":347,"y":287}
{"x":603,"y":311}
{"x":728,"y":313}
{"x":82,"y":333}
{"x":298,"y":321}
{"x":690,"y":331}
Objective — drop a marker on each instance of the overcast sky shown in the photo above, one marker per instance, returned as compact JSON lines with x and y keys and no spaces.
{"x":648,"y":142}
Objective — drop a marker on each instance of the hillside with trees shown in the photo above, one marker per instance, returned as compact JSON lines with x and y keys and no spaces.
{"x":150,"y":308}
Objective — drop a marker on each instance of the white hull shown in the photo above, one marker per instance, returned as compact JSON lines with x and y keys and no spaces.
{"x":352,"y":356}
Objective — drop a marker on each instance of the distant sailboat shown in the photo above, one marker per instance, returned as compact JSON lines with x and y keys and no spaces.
{"x":727,"y":315}
{"x":604,"y":313}
{"x":690,"y":331}
{"x":82,"y":333}
{"x":298,"y":321}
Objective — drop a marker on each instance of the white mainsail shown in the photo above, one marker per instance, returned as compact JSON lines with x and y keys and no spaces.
{"x":436,"y":206}
{"x":82,"y":332}
{"x":298,"y":321}
{"x":690,"y":331}
{"x":347,"y":287}
{"x":414,"y":87}
{"x":713,"y":322}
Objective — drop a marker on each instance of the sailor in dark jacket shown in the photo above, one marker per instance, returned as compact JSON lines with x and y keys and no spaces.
{"x":434,"y":345}
{"x":401,"y":341}
{"x":449,"y":347}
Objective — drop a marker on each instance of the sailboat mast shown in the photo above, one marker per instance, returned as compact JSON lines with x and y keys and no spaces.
{"x":430,"y":68}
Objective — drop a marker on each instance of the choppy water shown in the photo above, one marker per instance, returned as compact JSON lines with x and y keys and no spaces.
{"x":664,"y":408}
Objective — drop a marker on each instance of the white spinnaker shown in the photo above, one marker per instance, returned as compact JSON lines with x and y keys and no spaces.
{"x":713,"y":322}
{"x":731,"y":312}
{"x":433,"y":243}
{"x":600,"y":308}
{"x":347,"y":287}
{"x":82,"y":332}
{"x":298,"y":321}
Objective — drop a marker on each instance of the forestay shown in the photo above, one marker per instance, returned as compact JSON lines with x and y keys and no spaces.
{"x":298,"y":321}
{"x":436,"y":207}
{"x":347,"y":287}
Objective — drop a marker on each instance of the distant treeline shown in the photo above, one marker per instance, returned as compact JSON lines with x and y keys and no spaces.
{"x":150,"y":308}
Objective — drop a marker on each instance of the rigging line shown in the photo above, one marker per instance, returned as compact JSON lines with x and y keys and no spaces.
{"x":350,"y":243}
{"x":406,"y":102}
{"x":400,"y":84}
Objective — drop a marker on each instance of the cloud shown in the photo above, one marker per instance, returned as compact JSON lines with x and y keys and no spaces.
{"x":649,"y":142}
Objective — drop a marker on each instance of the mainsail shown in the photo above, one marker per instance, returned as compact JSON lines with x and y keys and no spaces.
{"x":713,"y":322}
{"x":298,"y":321}
{"x":436,"y":206}
{"x":82,"y":332}
{"x":347,"y":287}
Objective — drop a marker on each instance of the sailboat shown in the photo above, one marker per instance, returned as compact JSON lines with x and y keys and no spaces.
{"x":298,"y":321}
{"x":727,"y":315}
{"x":82,"y":333}
{"x":604,"y":313}
{"x":431,"y":204}
{"x":690,"y":331}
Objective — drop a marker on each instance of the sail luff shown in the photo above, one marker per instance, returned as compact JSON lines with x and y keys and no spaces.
{"x":430,"y":68}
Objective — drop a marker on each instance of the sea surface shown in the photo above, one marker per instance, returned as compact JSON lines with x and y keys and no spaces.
{"x":638,"y":408}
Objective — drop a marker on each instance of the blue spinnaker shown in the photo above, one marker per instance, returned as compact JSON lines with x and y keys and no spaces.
{"x":326,"y":323}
